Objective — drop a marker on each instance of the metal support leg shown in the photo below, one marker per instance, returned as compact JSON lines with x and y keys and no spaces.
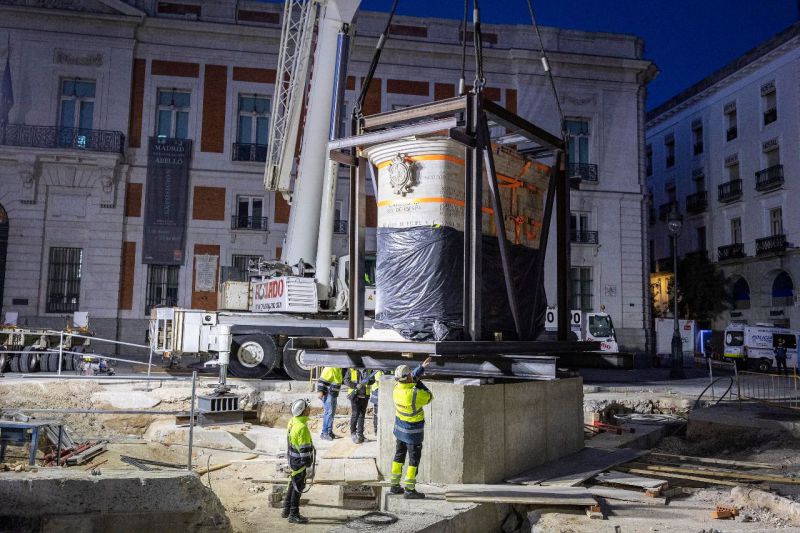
{"x":562,"y":248}
{"x":34,"y":445}
{"x":358,"y":213}
{"x":469,"y":257}
{"x":58,"y":445}
{"x":475,"y":232}
{"x":191,"y":422}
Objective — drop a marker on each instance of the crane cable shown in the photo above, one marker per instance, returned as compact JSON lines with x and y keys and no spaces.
{"x":546,"y":67}
{"x":477,"y":39}
{"x":462,"y":82}
{"x":376,"y":57}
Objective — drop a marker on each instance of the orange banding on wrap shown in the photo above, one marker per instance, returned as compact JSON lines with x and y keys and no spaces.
{"x":433,"y":157}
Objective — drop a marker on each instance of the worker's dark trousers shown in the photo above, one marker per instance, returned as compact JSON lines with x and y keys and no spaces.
{"x":375,"y":417}
{"x":358,"y":410}
{"x":781,"y":362}
{"x":414,"y":453}
{"x":296,"y":485}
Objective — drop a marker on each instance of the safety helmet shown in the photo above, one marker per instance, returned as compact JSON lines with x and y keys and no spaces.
{"x":298,"y":406}
{"x":402,"y":372}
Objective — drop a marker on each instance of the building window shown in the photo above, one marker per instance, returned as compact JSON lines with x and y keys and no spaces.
{"x":672,"y":194}
{"x":769,"y":102}
{"x":649,"y":159}
{"x":699,"y":180}
{"x":64,"y":280}
{"x":250,"y":213}
{"x":701,"y":238}
{"x":669,"y":150}
{"x":581,"y":288}
{"x":243,"y":263}
{"x":697,"y":137}
{"x":162,"y":286}
{"x":77,"y":104}
{"x":736,"y":230}
{"x":772,"y":158}
{"x":776,"y":221}
{"x":731,"y":128}
{"x":580,"y":230}
{"x":733,"y":171}
{"x":173,"y":114}
{"x":577,"y":141}
{"x":253,"y":119}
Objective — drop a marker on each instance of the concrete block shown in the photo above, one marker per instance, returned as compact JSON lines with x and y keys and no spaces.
{"x":486,"y":433}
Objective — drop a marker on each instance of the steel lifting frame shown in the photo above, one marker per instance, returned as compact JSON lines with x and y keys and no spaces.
{"x":465,"y":119}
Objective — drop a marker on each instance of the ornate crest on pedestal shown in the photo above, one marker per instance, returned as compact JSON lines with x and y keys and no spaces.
{"x":400,"y":175}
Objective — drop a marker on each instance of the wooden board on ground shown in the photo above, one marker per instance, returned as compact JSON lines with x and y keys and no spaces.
{"x":346,"y":471}
{"x":341,"y":449}
{"x":537,"y":495}
{"x":576,"y":468}
{"x":629,"y":480}
{"x":708,"y":460}
{"x":626,"y":495}
{"x":700,"y":479}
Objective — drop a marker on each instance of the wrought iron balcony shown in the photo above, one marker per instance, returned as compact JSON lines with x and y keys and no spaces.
{"x":730,"y":192}
{"x":730,"y":251}
{"x":62,"y":138}
{"x":697,"y":149}
{"x":769,"y":178}
{"x":770,"y":115}
{"x":583,"y":171}
{"x":340,"y":226}
{"x":697,"y":202}
{"x":248,"y":222}
{"x":665,"y":209}
{"x":664,"y":264}
{"x":771,"y":245}
{"x":731,"y":133}
{"x":584,"y":237}
{"x":249,"y":152}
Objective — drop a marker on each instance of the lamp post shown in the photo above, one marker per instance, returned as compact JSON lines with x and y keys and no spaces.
{"x":674,"y":224}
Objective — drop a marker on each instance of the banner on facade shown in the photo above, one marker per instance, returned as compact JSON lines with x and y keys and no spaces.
{"x":166,"y":201}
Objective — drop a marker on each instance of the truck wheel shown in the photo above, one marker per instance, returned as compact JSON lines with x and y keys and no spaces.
{"x":292,"y":366}
{"x":71,"y":360}
{"x":253,"y":356}
{"x":52,"y":362}
{"x":28,"y":361}
{"x":763,"y":365}
{"x":14,"y":363}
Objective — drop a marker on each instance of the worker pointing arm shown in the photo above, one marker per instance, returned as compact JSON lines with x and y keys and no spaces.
{"x":300,"y":452}
{"x":410,"y":395}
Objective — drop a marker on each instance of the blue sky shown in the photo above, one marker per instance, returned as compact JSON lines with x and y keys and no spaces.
{"x":687,"y":39}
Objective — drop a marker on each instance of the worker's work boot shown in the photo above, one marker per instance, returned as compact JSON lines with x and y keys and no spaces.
{"x":285,"y":512}
{"x":326,"y":436}
{"x":296,"y":518}
{"x":412,"y":494}
{"x":354,"y":438}
{"x":360,"y":439}
{"x":396,"y":489}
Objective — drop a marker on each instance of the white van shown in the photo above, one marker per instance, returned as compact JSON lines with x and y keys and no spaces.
{"x":756,"y":345}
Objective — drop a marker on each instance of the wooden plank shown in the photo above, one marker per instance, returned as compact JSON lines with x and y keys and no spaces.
{"x":709,"y":460}
{"x":628,"y":480}
{"x":537,"y":495}
{"x":359,"y":470}
{"x":341,"y":449}
{"x":576,"y":468}
{"x":708,"y":480}
{"x":626,"y":495}
{"x":730,"y":474}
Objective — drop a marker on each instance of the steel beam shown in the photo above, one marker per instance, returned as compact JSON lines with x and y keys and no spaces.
{"x":378,"y":137}
{"x":543,"y":368}
{"x":443,"y":348}
{"x":517,"y":124}
{"x":356,"y":245}
{"x":474,"y":232}
{"x":562,"y":247}
{"x":449,"y":106}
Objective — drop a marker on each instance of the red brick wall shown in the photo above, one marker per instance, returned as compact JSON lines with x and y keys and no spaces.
{"x":259,"y":16}
{"x":281,"y":209}
{"x":351,"y":83}
{"x":178,"y":9}
{"x":417,"y":88}
{"x":409,"y":31}
{"x":215,"y":90}
{"x":209,"y":203}
{"x":205,"y":299}
{"x":257,"y":75}
{"x":126,"y":275}
{"x":511,"y":100}
{"x":492,"y":93}
{"x":133,"y":200}
{"x":372,"y":102}
{"x":174,"y":68}
{"x":137,"y":102}
{"x":371,"y":212}
{"x":443,"y":90}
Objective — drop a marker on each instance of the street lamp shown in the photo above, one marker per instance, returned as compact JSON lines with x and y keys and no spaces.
{"x":674,"y":224}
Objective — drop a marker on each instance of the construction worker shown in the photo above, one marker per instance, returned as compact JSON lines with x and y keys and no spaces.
{"x":373,"y":399}
{"x":300,"y":452}
{"x":359,"y":382}
{"x":410,"y":395}
{"x":780,"y":356}
{"x":328,"y":385}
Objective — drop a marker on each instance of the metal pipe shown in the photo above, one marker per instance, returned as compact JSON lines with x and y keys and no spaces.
{"x":98,"y":339}
{"x":475,"y":231}
{"x":466,"y":293}
{"x":92,"y":411}
{"x":562,"y":249}
{"x":60,"y":352}
{"x":100,"y":378}
{"x":191,"y":423}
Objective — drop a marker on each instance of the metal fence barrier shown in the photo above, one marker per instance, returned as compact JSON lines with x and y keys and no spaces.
{"x":773,"y":389}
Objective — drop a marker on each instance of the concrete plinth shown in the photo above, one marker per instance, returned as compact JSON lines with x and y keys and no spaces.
{"x":486,"y":433}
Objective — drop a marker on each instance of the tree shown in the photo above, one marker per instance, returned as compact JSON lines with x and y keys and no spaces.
{"x":702,"y":291}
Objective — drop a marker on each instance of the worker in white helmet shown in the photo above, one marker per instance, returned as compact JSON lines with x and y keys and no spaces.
{"x":410,"y":396}
{"x":300,"y":452}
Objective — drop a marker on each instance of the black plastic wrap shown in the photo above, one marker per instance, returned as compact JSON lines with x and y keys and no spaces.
{"x":419,"y":273}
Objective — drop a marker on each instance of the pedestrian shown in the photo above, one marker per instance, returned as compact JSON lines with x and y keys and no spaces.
{"x":328,"y":385}
{"x":780,"y":356}
{"x":300,"y":452}
{"x":359,"y":382}
{"x":373,"y":399}
{"x":410,"y":395}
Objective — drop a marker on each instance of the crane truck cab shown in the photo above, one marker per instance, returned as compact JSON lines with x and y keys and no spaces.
{"x":754,"y":346}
